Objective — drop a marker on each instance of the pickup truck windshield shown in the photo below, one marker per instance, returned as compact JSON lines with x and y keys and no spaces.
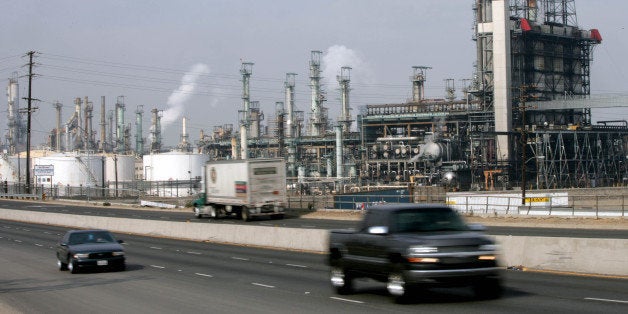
{"x":426,"y":220}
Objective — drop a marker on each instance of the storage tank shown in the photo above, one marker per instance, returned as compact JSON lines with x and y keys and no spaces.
{"x":173,"y":166}
{"x":73,"y":169}
{"x":125,"y":165}
{"x":11,"y":167}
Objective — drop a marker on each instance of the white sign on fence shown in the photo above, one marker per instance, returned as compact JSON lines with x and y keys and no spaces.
{"x":44,"y":170}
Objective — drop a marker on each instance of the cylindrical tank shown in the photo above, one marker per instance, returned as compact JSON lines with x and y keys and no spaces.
{"x":74,"y":169}
{"x":11,"y":168}
{"x":173,"y":166}
{"x":125,"y":166}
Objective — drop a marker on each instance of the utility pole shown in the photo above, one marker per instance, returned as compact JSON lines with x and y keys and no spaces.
{"x":28,"y":123}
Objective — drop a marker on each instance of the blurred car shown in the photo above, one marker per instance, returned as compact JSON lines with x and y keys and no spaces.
{"x":95,"y":249}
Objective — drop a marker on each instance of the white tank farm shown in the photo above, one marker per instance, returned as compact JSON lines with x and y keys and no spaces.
{"x":125,"y":165}
{"x":173,"y":166}
{"x":72,"y":169}
{"x":11,"y":168}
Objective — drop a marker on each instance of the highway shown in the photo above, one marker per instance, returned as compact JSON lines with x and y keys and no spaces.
{"x":171,"y":276}
{"x":292,"y":220}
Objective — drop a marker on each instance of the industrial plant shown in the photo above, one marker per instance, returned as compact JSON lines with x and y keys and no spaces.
{"x":523,"y":122}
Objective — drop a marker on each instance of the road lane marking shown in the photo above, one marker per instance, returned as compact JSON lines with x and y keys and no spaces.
{"x":295,"y":265}
{"x":240,"y":258}
{"x":37,"y":244}
{"x":155,"y":248}
{"x":157,"y":266}
{"x":606,"y":300}
{"x":18,"y":241}
{"x":261,"y":285}
{"x":346,"y":300}
{"x":195,"y":253}
{"x":204,"y":275}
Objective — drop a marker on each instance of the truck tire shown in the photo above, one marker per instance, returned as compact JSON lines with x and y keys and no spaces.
{"x":397,"y":286}
{"x":212,"y":212}
{"x":244,"y":213}
{"x":197,"y":213}
{"x":341,"y":280}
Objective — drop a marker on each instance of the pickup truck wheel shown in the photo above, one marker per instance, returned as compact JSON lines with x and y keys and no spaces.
{"x":62,"y":265}
{"x":488,"y":288}
{"x":396,"y":285}
{"x":341,"y":280}
{"x":72,"y":266}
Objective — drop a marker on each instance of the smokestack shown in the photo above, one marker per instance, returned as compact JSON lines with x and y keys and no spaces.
{"x":120,"y":140}
{"x":155,"y":133}
{"x":316,"y":122}
{"x":139,"y":140}
{"x":246,"y":70}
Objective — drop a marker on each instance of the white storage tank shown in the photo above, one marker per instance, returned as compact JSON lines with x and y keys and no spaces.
{"x":11,"y":167}
{"x":124,"y":165}
{"x":173,"y":166}
{"x":73,"y":169}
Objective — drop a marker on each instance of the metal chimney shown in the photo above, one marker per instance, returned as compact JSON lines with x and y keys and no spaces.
{"x":139,"y":140}
{"x":289,"y":114}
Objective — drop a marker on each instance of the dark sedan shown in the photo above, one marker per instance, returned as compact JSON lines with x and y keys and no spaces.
{"x":95,"y":249}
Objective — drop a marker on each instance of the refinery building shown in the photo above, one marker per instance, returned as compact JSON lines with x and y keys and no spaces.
{"x":524,"y":121}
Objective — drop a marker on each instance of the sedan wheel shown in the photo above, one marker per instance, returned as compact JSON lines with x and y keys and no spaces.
{"x":72,"y":267}
{"x":62,"y":265}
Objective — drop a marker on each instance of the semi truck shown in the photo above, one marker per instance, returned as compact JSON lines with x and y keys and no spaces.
{"x":245,"y":188}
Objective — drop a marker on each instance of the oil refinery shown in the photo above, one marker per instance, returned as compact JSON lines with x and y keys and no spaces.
{"x":523,"y":121}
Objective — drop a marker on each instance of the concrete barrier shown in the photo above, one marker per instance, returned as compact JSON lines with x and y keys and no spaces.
{"x":582,"y":255}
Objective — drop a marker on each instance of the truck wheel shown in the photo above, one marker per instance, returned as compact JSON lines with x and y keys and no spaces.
{"x":244,"y":213}
{"x":72,"y":266}
{"x":212,"y":212}
{"x":341,"y":280}
{"x":398,"y":287}
{"x":488,"y":288}
{"x":197,"y":212}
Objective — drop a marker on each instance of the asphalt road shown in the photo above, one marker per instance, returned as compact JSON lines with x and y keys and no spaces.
{"x":292,"y":220}
{"x":171,"y":276}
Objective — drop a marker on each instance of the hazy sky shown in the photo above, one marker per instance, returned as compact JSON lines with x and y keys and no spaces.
{"x":149,"y":50}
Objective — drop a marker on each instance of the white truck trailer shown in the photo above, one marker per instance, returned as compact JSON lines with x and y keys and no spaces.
{"x":245,"y":188}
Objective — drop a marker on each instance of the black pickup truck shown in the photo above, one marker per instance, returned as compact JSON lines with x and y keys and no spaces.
{"x":415,"y":245}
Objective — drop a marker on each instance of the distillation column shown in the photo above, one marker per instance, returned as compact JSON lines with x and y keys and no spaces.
{"x":419,"y":76}
{"x":494,"y":66}
{"x":57,"y":143}
{"x":139,"y":140}
{"x":245,"y":115}
{"x":103,"y":125}
{"x":155,"y":132}
{"x":316,"y":119}
{"x":289,"y":114}
{"x":345,"y":115}
{"x":120,"y":108}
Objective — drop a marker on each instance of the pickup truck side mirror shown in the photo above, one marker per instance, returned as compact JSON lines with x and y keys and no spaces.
{"x":381,"y":230}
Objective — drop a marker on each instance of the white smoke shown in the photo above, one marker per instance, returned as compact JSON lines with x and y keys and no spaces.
{"x":178,"y":98}
{"x":338,"y":56}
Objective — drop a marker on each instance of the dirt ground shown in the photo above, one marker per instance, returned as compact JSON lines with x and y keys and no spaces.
{"x":527,"y":221}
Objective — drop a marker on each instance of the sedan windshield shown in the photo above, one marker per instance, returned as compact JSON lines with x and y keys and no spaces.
{"x":425,"y":220}
{"x":90,"y":237}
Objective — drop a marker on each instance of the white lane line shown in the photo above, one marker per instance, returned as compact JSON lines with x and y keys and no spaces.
{"x":204,"y":275}
{"x":155,"y":248}
{"x":37,"y":244}
{"x":346,"y":300}
{"x":261,"y":285}
{"x":195,"y":253}
{"x":156,"y":266}
{"x":295,"y":265}
{"x":164,"y":217}
{"x":607,"y":300}
{"x":240,"y":258}
{"x":27,"y":230}
{"x":18,"y":241}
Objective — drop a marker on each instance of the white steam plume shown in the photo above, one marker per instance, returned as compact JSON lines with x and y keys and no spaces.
{"x":180,"y":96}
{"x":338,"y":56}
